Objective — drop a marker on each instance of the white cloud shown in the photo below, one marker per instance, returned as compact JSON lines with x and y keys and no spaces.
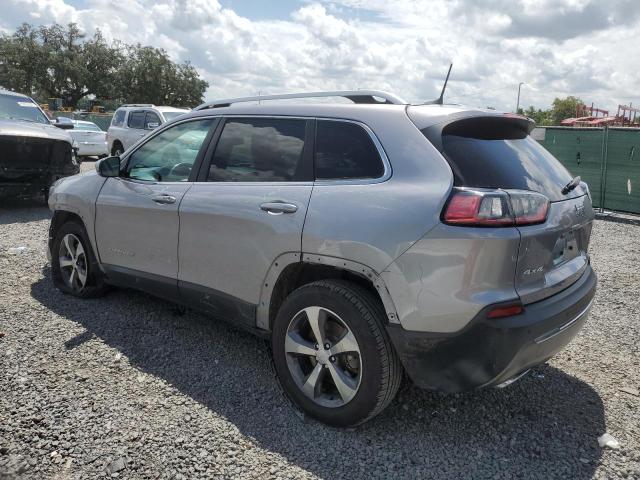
{"x":559,"y":47}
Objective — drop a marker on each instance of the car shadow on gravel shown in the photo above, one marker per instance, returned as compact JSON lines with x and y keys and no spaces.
{"x":23,"y":210}
{"x":544,"y":426}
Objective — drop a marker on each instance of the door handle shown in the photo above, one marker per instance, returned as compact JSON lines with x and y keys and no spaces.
{"x":164,"y":199}
{"x":277,"y":208}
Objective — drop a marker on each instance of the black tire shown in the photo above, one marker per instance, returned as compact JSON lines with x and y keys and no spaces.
{"x":94,"y":286}
{"x":117,"y":149}
{"x":381,"y":373}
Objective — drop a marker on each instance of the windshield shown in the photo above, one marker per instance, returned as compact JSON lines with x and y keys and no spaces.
{"x":91,"y":127}
{"x":171,"y":115}
{"x":20,"y":108}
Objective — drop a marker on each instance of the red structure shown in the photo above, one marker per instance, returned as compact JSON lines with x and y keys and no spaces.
{"x":623,"y":119}
{"x":591,"y":117}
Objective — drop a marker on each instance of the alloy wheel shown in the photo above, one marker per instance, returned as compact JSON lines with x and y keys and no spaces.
{"x":73,"y":262}
{"x":323,"y":357}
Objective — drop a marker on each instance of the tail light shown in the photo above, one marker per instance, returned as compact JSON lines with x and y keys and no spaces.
{"x":494,"y":208}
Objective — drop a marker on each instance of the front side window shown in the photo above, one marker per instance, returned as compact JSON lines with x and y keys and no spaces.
{"x":118,"y":119}
{"x":136,"y":120}
{"x":259,"y":150}
{"x":344,"y":150}
{"x":151,"y":121}
{"x":170,"y":155}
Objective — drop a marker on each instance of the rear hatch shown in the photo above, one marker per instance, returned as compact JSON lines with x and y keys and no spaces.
{"x":496,"y":152}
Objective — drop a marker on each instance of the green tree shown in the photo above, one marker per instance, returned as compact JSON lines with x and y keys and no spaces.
{"x":22,"y":64}
{"x":57,"y":61}
{"x":564,"y":108}
{"x":75,"y":67}
{"x":541,"y":117}
{"x":148,"y":75}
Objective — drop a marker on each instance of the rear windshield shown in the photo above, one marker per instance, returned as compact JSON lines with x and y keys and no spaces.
{"x":497,"y":155}
{"x":91,"y":127}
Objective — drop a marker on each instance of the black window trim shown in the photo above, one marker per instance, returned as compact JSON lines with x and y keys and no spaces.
{"x":307,"y":153}
{"x":197,"y":164}
{"x":386,"y":174}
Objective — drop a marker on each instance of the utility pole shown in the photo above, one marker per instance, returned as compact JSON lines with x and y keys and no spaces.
{"x":518,"y":102}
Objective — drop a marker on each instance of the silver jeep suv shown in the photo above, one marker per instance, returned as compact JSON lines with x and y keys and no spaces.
{"x":363,"y":241}
{"x":133,"y":121}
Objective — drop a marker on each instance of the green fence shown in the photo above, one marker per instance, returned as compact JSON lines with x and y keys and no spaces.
{"x":608,"y":159}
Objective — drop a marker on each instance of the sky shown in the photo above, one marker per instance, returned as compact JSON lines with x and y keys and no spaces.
{"x":587,"y":48}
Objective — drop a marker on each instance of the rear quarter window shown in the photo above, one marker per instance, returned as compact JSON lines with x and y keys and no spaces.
{"x":344,"y":150}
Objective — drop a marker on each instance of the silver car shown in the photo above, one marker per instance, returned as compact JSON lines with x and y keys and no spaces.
{"x":133,"y":121}
{"x":363,"y":241}
{"x":91,"y":139}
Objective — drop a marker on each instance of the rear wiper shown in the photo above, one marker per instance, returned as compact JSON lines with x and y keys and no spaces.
{"x":571,"y":185}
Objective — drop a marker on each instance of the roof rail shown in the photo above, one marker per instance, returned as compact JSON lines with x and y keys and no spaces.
{"x":137,"y":105}
{"x":356,"y":96}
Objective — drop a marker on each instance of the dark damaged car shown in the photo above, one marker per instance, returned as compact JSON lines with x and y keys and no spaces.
{"x":34,"y":151}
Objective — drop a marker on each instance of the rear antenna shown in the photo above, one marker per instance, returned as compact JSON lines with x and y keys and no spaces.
{"x":440,"y":99}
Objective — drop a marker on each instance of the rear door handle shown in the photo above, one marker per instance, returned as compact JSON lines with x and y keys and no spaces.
{"x":164,"y":199}
{"x":277,"y":208}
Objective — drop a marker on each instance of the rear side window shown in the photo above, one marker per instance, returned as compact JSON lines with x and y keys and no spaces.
{"x":136,"y":120}
{"x":259,"y":150}
{"x":118,"y":119}
{"x":496,"y":154}
{"x":344,"y":150}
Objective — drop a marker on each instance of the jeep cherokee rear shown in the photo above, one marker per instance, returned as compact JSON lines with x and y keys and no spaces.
{"x":361,"y":239}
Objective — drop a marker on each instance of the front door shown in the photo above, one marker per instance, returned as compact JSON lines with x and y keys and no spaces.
{"x":248,"y":209}
{"x":137,"y":213}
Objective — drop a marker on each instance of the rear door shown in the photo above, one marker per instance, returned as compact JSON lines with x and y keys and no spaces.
{"x":135,"y":128}
{"x":247,"y":208}
{"x":496,"y":152}
{"x":137,"y":213}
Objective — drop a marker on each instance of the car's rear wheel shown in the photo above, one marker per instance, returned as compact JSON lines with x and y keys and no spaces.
{"x":73,"y":264}
{"x":332,"y":355}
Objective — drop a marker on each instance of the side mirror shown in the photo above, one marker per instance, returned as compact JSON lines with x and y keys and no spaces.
{"x":108,"y":167}
{"x":63,"y":123}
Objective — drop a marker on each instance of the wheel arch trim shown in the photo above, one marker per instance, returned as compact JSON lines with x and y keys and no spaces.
{"x":263,"y":317}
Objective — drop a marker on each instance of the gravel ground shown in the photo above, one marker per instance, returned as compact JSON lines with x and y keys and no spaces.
{"x":123,"y":386}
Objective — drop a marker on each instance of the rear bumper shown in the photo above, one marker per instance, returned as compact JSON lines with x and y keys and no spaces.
{"x":492,"y":351}
{"x":92,"y":149}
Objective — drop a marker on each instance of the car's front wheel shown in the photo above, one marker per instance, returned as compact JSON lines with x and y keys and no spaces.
{"x":332,"y":355}
{"x":73,"y":264}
